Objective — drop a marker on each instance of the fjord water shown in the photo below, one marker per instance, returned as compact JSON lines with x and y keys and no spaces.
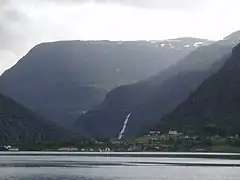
{"x":45,"y":167}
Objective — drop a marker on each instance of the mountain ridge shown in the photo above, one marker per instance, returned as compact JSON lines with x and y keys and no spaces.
{"x":215,"y":104}
{"x":152,"y":98}
{"x":61,"y":80}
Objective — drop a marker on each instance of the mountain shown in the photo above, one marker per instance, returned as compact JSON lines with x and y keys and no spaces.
{"x":19,"y":124}
{"x":233,"y":37}
{"x":214,"y":107}
{"x":61,"y":80}
{"x":149,"y":100}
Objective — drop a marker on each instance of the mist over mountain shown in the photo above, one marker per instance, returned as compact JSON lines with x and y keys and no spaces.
{"x":151,"y":99}
{"x":61,"y":80}
{"x":214,"y":107}
{"x":19,"y":124}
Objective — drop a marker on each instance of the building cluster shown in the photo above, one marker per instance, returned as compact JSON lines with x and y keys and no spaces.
{"x":9,"y":148}
{"x":157,"y":135}
{"x":74,"y":149}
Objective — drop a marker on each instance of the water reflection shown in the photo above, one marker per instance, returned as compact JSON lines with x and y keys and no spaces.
{"x":51,"y":177}
{"x":115,"y":168}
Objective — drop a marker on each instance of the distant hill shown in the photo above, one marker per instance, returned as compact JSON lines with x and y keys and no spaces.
{"x":151,"y":99}
{"x":19,"y":124}
{"x":61,"y":80}
{"x":214,"y":108}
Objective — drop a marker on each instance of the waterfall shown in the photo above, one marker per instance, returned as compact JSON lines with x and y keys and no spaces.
{"x":124,"y":127}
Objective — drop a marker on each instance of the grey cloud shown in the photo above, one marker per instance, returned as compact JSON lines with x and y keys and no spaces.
{"x":168,"y":4}
{"x":11,"y":34}
{"x":2,"y":2}
{"x":172,"y":4}
{"x":10,"y":27}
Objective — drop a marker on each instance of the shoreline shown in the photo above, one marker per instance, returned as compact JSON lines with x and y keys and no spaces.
{"x":128,"y":154}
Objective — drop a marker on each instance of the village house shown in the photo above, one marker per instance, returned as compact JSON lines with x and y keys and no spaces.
{"x":68,"y":149}
{"x":107,"y":149}
{"x":154,"y":133}
{"x":174,"y":133}
{"x":10,"y":148}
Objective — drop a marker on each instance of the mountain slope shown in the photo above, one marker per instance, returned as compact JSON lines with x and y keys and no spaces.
{"x":215,"y":104}
{"x":60,"y":80}
{"x":18,"y":124}
{"x":151,"y":99}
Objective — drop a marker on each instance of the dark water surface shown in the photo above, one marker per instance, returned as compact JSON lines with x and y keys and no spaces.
{"x":46,"y":167}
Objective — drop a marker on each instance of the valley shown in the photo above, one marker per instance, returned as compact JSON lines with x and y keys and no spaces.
{"x":90,"y":111}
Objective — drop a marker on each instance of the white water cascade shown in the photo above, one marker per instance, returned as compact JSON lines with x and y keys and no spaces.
{"x":124,"y":127}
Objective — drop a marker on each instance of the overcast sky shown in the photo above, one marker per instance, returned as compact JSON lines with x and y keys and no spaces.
{"x":25,"y":23}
